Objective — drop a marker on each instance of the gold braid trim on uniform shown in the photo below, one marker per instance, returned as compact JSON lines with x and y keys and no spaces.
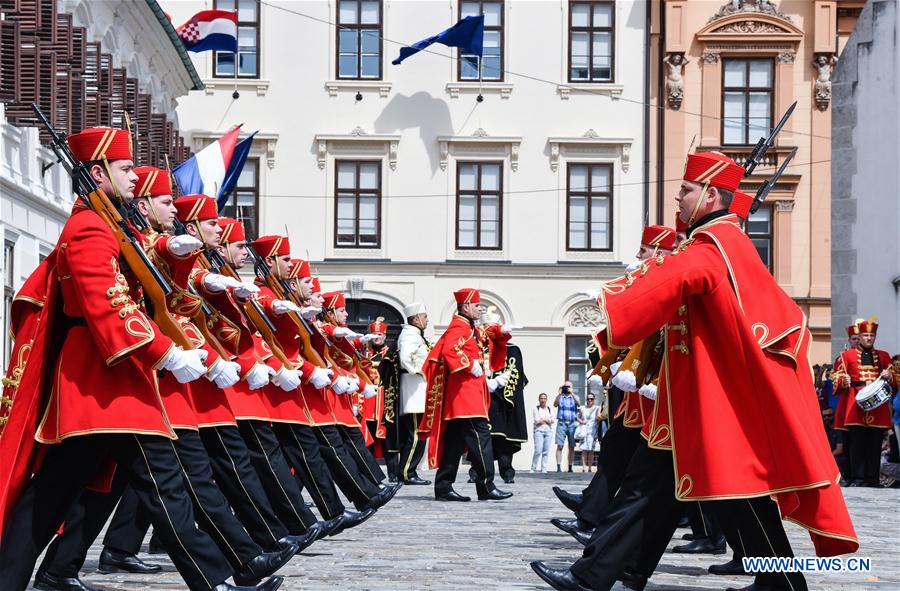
{"x":463,"y":358}
{"x":434,"y":398}
{"x":509,"y":390}
{"x":118,"y":293}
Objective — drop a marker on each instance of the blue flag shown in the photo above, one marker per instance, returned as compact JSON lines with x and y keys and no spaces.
{"x":238,"y":158}
{"x":467,"y":34}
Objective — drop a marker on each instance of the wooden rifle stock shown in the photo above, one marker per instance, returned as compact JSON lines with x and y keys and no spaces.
{"x":253,"y":313}
{"x":638,"y":358}
{"x":304,"y":332}
{"x":602,"y":368}
{"x":137,"y":262}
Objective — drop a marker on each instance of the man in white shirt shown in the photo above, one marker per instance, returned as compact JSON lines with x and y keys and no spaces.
{"x":413,"y":348}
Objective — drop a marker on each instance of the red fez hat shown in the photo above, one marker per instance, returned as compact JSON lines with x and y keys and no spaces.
{"x":714,"y":169}
{"x":467,"y":295}
{"x":194,"y":208}
{"x":272,"y":246}
{"x":334,"y":300}
{"x":378,"y":326}
{"x":658,"y":237}
{"x":316,"y":286}
{"x":741,"y":205}
{"x":299,"y":269}
{"x":232,"y":230}
{"x":870,"y":325}
{"x":101,"y":143}
{"x":152,"y":182}
{"x":853,"y":329}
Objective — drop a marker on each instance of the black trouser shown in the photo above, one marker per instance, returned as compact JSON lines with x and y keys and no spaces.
{"x":282,"y":489}
{"x":366,"y":463}
{"x":85,"y":519}
{"x":301,"y":449}
{"x":411,"y":447}
{"x":154,"y":473}
{"x":760,"y":531}
{"x":355,"y":486}
{"x":616,"y":448}
{"x":459,"y":434}
{"x":704,"y":523}
{"x":503,"y":452}
{"x":239,"y":482}
{"x":865,"y":453}
{"x":129,"y":525}
{"x":645,"y":500}
{"x":391,"y":457}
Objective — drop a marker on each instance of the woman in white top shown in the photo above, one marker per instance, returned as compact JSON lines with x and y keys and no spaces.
{"x":542,"y":417}
{"x":590,"y":418}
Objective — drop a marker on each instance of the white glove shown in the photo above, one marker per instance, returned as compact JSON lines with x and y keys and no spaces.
{"x":341,"y":385}
{"x":186,"y":366}
{"x":649,"y":391}
{"x":476,"y":370}
{"x":508,"y":328}
{"x":224,"y":374}
{"x":215,"y":283}
{"x":343,"y":331}
{"x":590,"y":293}
{"x":356,"y":410}
{"x":259,"y":376}
{"x":502,"y":379}
{"x":633,"y":265}
{"x":283,"y":307}
{"x":595,"y":382}
{"x":241,"y":289}
{"x":370,"y":390}
{"x":287,"y":379}
{"x":614,"y":368}
{"x":492,"y":384}
{"x":182,"y":245}
{"x":354,"y":385}
{"x":625,"y":381}
{"x":309,"y":312}
{"x":321,"y":377}
{"x":368,"y":337}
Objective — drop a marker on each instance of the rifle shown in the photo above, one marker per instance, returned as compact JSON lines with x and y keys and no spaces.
{"x":252,"y":310}
{"x":767,"y":185}
{"x":153,"y":282}
{"x":282,"y":291}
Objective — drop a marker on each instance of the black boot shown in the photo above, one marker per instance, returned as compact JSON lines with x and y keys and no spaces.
{"x":452,"y":495}
{"x":702,"y":546}
{"x":730,"y":568}
{"x":263,"y":566}
{"x":115,"y":561}
{"x":572,"y":502}
{"x":560,"y":579}
{"x":346,"y":520}
{"x":47,"y":582}
{"x":271,"y":584}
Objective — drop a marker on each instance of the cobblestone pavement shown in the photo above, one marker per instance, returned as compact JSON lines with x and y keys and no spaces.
{"x":416,"y":543}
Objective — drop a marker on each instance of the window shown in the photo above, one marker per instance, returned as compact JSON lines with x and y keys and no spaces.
{"x":243,"y":203}
{"x":591,"y":41}
{"x":9,"y":292}
{"x":747,"y":94}
{"x":759,"y":229}
{"x":248,"y":41}
{"x":357,"y":192}
{"x":589,"y":207}
{"x":492,"y":53}
{"x":359,"y":40}
{"x":479,"y":205}
{"x":577,"y":364}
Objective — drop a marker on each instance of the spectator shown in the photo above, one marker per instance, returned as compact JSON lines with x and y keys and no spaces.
{"x":590,"y":418}
{"x":567,"y":405}
{"x":542,"y":417}
{"x":836,"y":440}
{"x":827,"y":391}
{"x":895,"y":415}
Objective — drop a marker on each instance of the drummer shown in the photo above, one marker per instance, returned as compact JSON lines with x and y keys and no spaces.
{"x":864,"y":419}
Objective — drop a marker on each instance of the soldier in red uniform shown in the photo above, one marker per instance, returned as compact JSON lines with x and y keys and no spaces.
{"x":754,"y":446}
{"x":300,"y":408}
{"x":855,"y":369}
{"x":457,"y":401}
{"x":374,"y":350}
{"x":76,"y":312}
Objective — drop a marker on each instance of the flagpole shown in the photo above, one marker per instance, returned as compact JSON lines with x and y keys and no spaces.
{"x":480,"y":97}
{"x":236,"y":95}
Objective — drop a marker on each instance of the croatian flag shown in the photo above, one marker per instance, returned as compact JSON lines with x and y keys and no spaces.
{"x":210,"y":30}
{"x":204,"y":172}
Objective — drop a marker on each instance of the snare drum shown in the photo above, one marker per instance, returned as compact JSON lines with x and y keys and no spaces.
{"x":874,"y":395}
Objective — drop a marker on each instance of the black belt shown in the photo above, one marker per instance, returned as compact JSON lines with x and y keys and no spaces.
{"x":858,"y":384}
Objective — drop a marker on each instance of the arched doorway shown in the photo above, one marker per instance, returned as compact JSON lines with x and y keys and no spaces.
{"x":361,"y":313}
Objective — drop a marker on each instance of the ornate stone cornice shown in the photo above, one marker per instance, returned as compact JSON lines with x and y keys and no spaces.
{"x":748,"y":7}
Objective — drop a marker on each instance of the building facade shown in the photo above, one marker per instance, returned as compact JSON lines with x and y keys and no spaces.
{"x":723,"y":73}
{"x":84,"y":62}
{"x":401,"y":186}
{"x":865,"y":208}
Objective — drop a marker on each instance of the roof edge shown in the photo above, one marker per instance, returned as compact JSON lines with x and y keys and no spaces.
{"x":169,"y":28}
